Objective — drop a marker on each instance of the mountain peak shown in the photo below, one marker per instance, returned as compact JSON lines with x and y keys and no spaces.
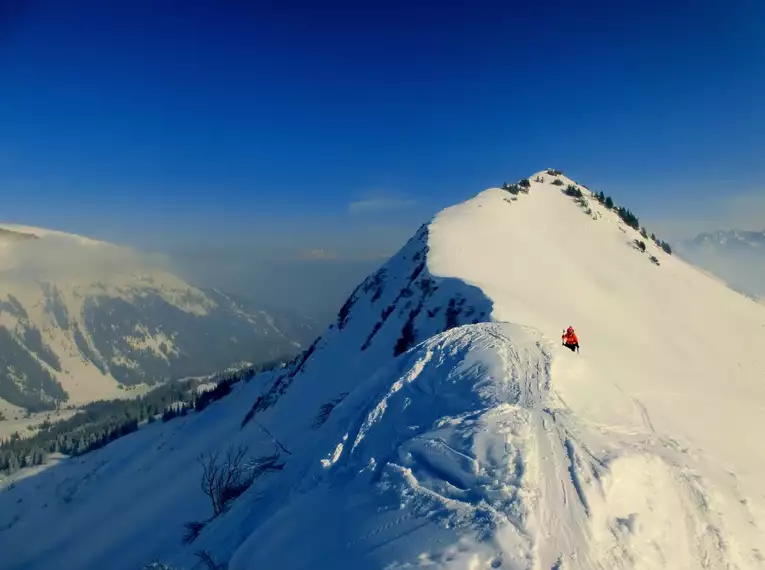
{"x":438,"y":420}
{"x":541,"y":256}
{"x":544,"y":256}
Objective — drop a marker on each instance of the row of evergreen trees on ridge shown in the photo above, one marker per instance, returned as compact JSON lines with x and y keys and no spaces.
{"x":573,"y":190}
{"x":102,"y":422}
{"x":630,"y":219}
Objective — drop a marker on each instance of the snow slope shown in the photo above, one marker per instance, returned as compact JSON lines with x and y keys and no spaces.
{"x":483,"y":444}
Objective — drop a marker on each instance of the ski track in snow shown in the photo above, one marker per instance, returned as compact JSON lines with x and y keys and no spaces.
{"x":485,"y":445}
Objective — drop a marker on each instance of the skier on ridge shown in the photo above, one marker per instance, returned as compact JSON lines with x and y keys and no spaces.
{"x":570,"y":339}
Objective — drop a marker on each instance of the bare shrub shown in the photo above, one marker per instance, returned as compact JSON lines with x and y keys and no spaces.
{"x":192,"y":531}
{"x":226,"y":478}
{"x":208,"y":560}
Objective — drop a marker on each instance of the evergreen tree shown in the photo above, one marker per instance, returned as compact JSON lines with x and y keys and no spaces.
{"x":100,"y":423}
{"x":573,"y":191}
{"x":628,"y":217}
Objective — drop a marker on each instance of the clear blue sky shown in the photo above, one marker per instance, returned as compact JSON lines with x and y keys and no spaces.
{"x":150,"y":120}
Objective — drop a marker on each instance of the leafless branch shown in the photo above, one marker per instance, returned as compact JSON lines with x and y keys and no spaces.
{"x":225,"y":479}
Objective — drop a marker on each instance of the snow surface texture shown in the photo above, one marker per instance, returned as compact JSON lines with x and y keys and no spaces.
{"x":484,"y":444}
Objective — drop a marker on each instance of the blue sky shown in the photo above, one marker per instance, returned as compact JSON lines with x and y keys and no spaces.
{"x":336,"y":128}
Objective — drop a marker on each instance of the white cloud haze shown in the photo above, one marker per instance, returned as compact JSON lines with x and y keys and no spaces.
{"x":61,"y":258}
{"x":721,"y":211}
{"x":380,"y":204}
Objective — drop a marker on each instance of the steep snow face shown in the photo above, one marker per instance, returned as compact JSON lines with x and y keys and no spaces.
{"x":438,"y":422}
{"x":79,"y":317}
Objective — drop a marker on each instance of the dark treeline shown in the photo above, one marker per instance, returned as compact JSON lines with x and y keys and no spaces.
{"x":100,"y":423}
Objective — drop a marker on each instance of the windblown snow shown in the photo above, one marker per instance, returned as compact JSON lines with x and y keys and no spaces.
{"x":439,"y":422}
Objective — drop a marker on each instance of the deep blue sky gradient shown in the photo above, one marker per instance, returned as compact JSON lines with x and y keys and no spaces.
{"x":149,"y":121}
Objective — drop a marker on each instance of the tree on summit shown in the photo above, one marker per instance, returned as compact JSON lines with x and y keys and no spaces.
{"x":573,"y":191}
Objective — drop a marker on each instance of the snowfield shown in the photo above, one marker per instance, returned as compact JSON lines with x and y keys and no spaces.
{"x":439,"y":423}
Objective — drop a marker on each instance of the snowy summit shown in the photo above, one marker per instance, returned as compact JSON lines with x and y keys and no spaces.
{"x":440,"y":423}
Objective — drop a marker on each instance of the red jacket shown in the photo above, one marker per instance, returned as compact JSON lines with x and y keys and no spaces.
{"x":570,"y":338}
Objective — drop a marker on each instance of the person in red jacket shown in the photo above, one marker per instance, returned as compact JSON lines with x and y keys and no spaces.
{"x":570,"y":339}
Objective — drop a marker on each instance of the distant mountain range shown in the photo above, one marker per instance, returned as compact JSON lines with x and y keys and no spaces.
{"x":79,"y":319}
{"x":732,"y":239}
{"x":736,"y":256}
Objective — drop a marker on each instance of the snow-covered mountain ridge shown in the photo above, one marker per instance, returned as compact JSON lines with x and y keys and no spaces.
{"x":80,"y":317}
{"x":439,"y":423}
